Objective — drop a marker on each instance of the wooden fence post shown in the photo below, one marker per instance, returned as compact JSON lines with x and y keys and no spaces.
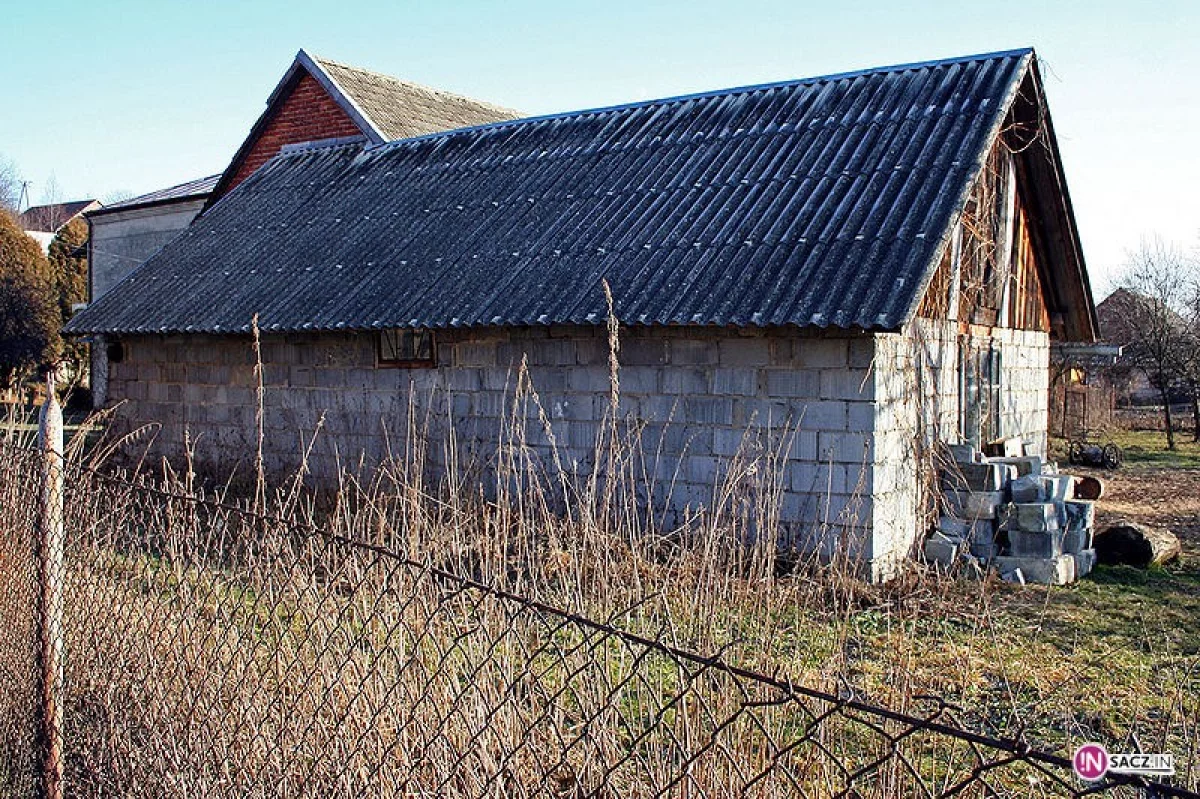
{"x":50,"y":621}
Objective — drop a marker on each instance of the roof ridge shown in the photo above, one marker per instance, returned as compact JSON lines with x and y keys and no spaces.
{"x":412,"y":84}
{"x":731,"y":91}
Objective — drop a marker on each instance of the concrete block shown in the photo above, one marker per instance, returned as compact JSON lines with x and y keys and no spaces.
{"x":1027,"y":489}
{"x":475,"y":354}
{"x":1058,"y":487}
{"x":741,"y":382}
{"x":954,"y":527}
{"x":821,"y":353}
{"x":684,"y":381}
{"x":744,"y":352}
{"x":1024,"y":544}
{"x":1081,"y":515}
{"x":983,"y":550}
{"x":456,"y":379}
{"x":805,"y":383}
{"x":643,"y":351}
{"x":1015,"y":576}
{"x":808,"y":478}
{"x":846,"y":384}
{"x":982,"y":540}
{"x":975,"y":505}
{"x":975,"y":477}
{"x":1046,"y":571}
{"x":845,"y":447}
{"x":688,"y":352}
{"x":658,"y":407}
{"x":983,"y":530}
{"x":804,"y":445}
{"x":729,"y":440}
{"x":708,"y":410}
{"x":1035,"y":517}
{"x":820,"y":415}
{"x":1077,"y":540}
{"x":1085,"y":561}
{"x":861,"y":352}
{"x":942,"y":549}
{"x":861,"y":416}
{"x":1028,"y":464}
{"x":639,"y":380}
{"x":592,"y":380}
{"x":964,"y":453}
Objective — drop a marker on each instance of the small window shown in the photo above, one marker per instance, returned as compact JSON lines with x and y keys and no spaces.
{"x":980,"y":393}
{"x":406,"y":347}
{"x":115,"y":351}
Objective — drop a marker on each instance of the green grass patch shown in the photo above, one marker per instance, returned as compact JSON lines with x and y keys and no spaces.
{"x":1149,"y":448}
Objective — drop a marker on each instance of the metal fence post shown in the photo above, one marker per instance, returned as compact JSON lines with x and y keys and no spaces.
{"x":50,"y":617}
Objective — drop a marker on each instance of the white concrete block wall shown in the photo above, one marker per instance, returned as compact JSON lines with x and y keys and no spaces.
{"x":855,"y":411}
{"x":699,"y":396}
{"x":918,"y":403}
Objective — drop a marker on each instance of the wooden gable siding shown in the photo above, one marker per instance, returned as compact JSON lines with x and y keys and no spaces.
{"x":992,"y":291}
{"x":305,"y":113}
{"x":1028,"y":308}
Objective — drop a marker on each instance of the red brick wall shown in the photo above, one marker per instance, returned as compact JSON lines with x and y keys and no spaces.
{"x":307,"y":113}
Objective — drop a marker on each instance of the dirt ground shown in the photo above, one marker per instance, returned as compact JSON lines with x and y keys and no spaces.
{"x":1167,"y":498}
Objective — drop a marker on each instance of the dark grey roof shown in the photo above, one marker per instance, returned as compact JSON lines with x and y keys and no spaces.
{"x":400,"y":109}
{"x":191,"y":190}
{"x":49,"y":218}
{"x":822,"y":202}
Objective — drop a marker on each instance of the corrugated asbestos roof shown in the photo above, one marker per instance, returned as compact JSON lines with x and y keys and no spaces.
{"x":815,"y":202}
{"x":400,"y":109}
{"x":192,"y":189}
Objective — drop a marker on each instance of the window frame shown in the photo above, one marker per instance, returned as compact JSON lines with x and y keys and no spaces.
{"x":383,"y":362}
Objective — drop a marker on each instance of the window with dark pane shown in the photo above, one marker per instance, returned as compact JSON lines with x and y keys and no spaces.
{"x":406,"y":347}
{"x":980,"y":392}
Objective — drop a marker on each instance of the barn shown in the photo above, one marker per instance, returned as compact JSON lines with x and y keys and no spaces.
{"x":838,"y":272}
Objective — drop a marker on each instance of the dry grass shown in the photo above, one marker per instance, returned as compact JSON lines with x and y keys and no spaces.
{"x":214,"y":652}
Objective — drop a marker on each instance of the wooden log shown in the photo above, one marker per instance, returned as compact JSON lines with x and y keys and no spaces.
{"x":1135,"y":545}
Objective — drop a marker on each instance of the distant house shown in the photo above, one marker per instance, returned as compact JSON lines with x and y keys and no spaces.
{"x":1116,"y":313}
{"x":42,"y":222}
{"x":316,"y":100}
{"x":872,"y":261}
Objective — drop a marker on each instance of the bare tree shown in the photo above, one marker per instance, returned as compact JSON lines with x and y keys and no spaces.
{"x":1192,"y":359}
{"x":117,"y":196}
{"x":10,"y":185}
{"x":1155,"y":327}
{"x":52,"y":197}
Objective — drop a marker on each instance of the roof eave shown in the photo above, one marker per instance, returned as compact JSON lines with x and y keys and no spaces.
{"x":341,"y":97}
{"x":1091,"y":326}
{"x":1028,"y":57}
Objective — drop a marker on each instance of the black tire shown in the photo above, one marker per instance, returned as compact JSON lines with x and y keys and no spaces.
{"x":1112,"y":456}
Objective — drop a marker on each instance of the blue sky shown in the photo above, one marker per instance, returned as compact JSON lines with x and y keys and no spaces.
{"x":127,"y":96}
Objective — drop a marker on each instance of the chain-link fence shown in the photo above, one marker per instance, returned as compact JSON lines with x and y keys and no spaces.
{"x":214,"y":651}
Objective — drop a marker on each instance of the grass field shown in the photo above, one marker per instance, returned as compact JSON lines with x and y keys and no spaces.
{"x":1149,"y":448}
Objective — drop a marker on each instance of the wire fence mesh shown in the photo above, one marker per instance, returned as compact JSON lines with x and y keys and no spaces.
{"x":215,"y":651}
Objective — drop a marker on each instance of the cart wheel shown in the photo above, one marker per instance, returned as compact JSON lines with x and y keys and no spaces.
{"x":1112,"y":456}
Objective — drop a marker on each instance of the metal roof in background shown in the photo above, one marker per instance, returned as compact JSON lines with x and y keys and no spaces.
{"x":814,"y":202}
{"x":190,"y":190}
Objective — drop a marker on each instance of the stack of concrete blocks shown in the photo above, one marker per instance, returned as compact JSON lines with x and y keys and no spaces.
{"x":1016,"y":514}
